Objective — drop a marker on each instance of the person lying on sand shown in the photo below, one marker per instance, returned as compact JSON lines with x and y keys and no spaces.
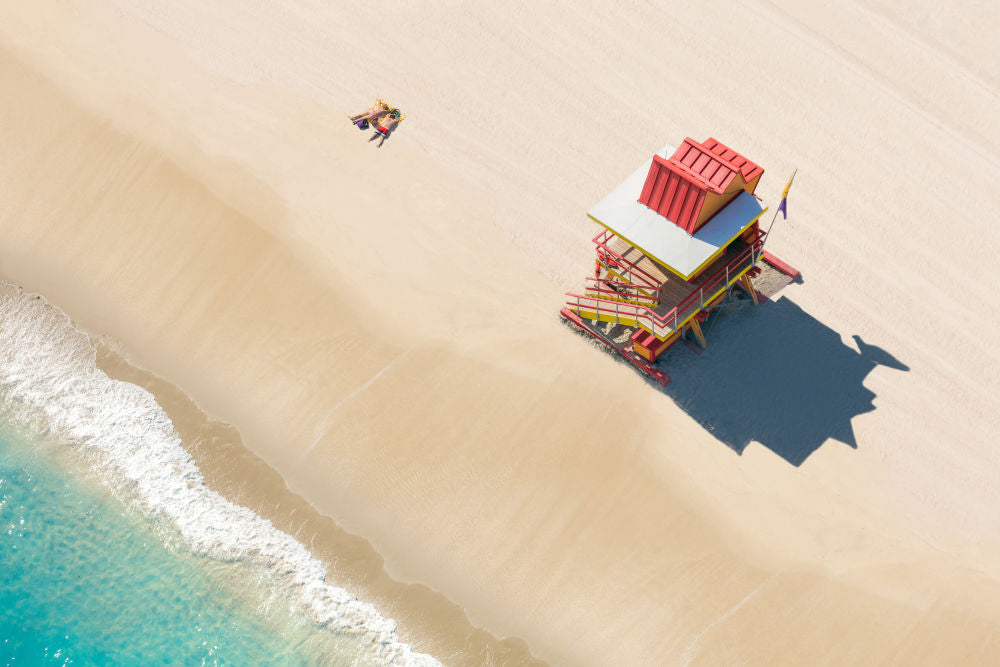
{"x":378,"y":111}
{"x":383,"y":129}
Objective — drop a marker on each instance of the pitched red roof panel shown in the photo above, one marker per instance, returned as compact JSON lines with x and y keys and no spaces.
{"x":747,"y":169}
{"x":676,"y":187}
{"x":674,"y":192}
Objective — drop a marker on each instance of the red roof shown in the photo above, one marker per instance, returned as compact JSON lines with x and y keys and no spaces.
{"x":676,"y":187}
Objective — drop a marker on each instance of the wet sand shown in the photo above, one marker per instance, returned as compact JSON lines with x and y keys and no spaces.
{"x":234,"y":471}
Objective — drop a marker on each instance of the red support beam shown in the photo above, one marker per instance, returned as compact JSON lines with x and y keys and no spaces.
{"x":788,"y":270}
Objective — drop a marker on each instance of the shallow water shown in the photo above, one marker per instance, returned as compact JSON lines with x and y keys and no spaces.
{"x":87,"y":582}
{"x":114,"y":550}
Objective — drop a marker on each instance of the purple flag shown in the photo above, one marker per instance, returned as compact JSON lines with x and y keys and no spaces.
{"x":784,"y":197}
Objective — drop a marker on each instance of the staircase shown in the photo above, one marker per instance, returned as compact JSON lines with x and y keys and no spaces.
{"x":631,"y":297}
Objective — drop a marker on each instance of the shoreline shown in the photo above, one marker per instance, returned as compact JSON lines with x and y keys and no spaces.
{"x":428,"y":621}
{"x":241,"y":477}
{"x":101,"y":325}
{"x":120,"y":433}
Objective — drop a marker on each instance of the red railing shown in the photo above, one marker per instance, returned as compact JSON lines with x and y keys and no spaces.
{"x":618,"y":290}
{"x":602,"y":239}
{"x":627,"y":312}
{"x":664,"y":325}
{"x":723,"y":275}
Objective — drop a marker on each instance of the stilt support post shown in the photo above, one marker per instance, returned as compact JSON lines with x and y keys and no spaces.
{"x":696,"y":328}
{"x":748,"y":286}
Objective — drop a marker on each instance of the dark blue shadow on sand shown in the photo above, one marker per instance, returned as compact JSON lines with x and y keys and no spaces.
{"x":776,"y":375}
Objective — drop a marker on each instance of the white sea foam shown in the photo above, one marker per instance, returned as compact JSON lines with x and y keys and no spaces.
{"x":48,"y":371}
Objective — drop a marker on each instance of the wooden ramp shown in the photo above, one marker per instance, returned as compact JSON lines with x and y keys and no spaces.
{"x":636,"y":257}
{"x":680,"y":299}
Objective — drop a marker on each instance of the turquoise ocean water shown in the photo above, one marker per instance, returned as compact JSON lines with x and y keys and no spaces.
{"x":86,"y":582}
{"x":114,"y":550}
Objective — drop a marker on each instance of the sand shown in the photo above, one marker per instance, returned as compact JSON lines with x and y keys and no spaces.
{"x":378,"y":326}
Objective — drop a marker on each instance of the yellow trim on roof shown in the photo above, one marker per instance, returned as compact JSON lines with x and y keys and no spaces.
{"x":672,"y":269}
{"x":635,"y":245}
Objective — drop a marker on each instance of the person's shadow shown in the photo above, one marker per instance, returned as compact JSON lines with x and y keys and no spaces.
{"x":776,"y":375}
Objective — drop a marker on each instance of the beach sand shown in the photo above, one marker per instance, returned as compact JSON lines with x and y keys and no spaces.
{"x":363,"y":345}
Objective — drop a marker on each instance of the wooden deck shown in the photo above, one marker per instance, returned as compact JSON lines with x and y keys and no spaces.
{"x":633,"y":255}
{"x":679,"y":299}
{"x":674,"y":289}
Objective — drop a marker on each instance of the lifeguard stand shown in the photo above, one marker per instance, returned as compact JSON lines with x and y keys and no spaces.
{"x":678,"y":235}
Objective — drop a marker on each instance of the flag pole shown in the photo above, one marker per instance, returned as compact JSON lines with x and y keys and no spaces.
{"x":781,"y":209}
{"x":767,"y":234}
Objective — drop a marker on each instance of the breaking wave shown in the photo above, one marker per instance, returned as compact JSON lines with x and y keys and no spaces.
{"x":49,"y":381}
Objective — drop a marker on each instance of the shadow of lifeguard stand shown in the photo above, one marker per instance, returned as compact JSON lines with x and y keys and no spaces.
{"x":680,"y":241}
{"x":805,"y":384}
